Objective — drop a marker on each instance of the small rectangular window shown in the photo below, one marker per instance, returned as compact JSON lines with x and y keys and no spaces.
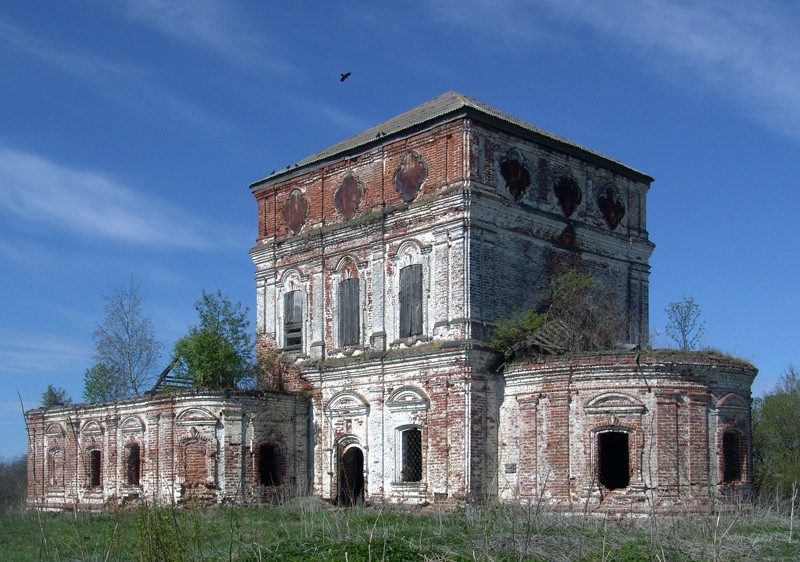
{"x":349,"y":332}
{"x":293,"y":319}
{"x":411,"y":462}
{"x":94,"y":468}
{"x":410,"y":298}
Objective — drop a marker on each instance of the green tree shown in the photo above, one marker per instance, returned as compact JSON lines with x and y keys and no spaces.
{"x":684,"y":325}
{"x":587,"y":310}
{"x":55,"y":396}
{"x":217,"y":352}
{"x":13,"y":483}
{"x":776,"y":435}
{"x":101,"y":384}
{"x":582,"y":315}
{"x":126,"y":349}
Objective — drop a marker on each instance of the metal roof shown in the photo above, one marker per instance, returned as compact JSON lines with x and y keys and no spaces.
{"x":450,"y":104}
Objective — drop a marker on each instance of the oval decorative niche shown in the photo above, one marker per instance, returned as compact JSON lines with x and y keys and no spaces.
{"x":348,"y":196}
{"x":410,"y":175}
{"x":516,"y":174}
{"x":295,"y":211}
{"x":568,"y":194}
{"x":611,"y":205}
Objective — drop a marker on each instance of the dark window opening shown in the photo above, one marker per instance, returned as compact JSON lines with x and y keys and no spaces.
{"x":410,"y":301}
{"x":613,"y":464}
{"x":731,"y":456}
{"x":351,"y":477}
{"x":411,"y":469}
{"x":349,"y":332}
{"x":94,"y":468}
{"x":132,"y":465}
{"x":293,"y":319}
{"x":268,"y":465}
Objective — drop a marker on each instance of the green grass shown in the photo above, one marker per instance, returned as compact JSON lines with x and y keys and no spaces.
{"x":306,"y":529}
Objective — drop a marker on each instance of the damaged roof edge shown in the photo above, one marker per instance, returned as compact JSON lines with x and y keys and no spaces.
{"x":448,"y":106}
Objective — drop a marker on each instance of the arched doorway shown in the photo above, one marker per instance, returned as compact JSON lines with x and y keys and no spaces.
{"x":351,"y":476}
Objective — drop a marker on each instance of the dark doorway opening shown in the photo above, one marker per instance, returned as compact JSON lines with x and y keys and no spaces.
{"x":268,"y":465}
{"x":94,"y":468}
{"x":732,"y":456}
{"x":613,"y":467}
{"x":351,"y":477}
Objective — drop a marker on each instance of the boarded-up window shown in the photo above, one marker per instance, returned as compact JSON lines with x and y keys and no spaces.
{"x":732,"y":456}
{"x":268,"y":465}
{"x":411,"y":301}
{"x":348,"y":312}
{"x":95,"y":468}
{"x":132,"y":464}
{"x":293,"y":319}
{"x":411,"y":463}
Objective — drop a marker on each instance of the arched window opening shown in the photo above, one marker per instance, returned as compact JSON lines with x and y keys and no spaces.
{"x":132,"y":465}
{"x":732,"y":456}
{"x":268,"y":466}
{"x":411,"y":462}
{"x":613,"y":466}
{"x":95,"y":468}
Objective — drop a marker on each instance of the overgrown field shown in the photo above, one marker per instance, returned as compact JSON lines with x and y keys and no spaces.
{"x":306,"y":529}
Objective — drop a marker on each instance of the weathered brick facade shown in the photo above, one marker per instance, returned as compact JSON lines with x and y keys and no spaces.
{"x":382,"y":266}
{"x":189,"y":446}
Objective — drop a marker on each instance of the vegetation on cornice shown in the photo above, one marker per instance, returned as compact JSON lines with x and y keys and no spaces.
{"x":581,"y":315}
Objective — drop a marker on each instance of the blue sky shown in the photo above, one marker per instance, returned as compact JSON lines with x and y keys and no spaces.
{"x":131,"y":131}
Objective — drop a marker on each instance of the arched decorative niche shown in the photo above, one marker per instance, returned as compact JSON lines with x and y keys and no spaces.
{"x":408,"y":399}
{"x":616,"y":403}
{"x":54,"y":430}
{"x":132,"y":424}
{"x":195,"y":416}
{"x":91,"y":428}
{"x":347,"y":403}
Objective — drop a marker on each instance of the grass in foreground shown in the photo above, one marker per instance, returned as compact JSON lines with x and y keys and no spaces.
{"x":306,"y":529}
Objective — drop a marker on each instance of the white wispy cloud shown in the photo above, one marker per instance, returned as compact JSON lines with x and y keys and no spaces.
{"x":95,"y":206}
{"x":746,"y":54}
{"x":127,"y":84}
{"x":23,"y":353}
{"x":213,"y":25}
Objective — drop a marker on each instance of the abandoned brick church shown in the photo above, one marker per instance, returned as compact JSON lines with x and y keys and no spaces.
{"x":382,"y":264}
